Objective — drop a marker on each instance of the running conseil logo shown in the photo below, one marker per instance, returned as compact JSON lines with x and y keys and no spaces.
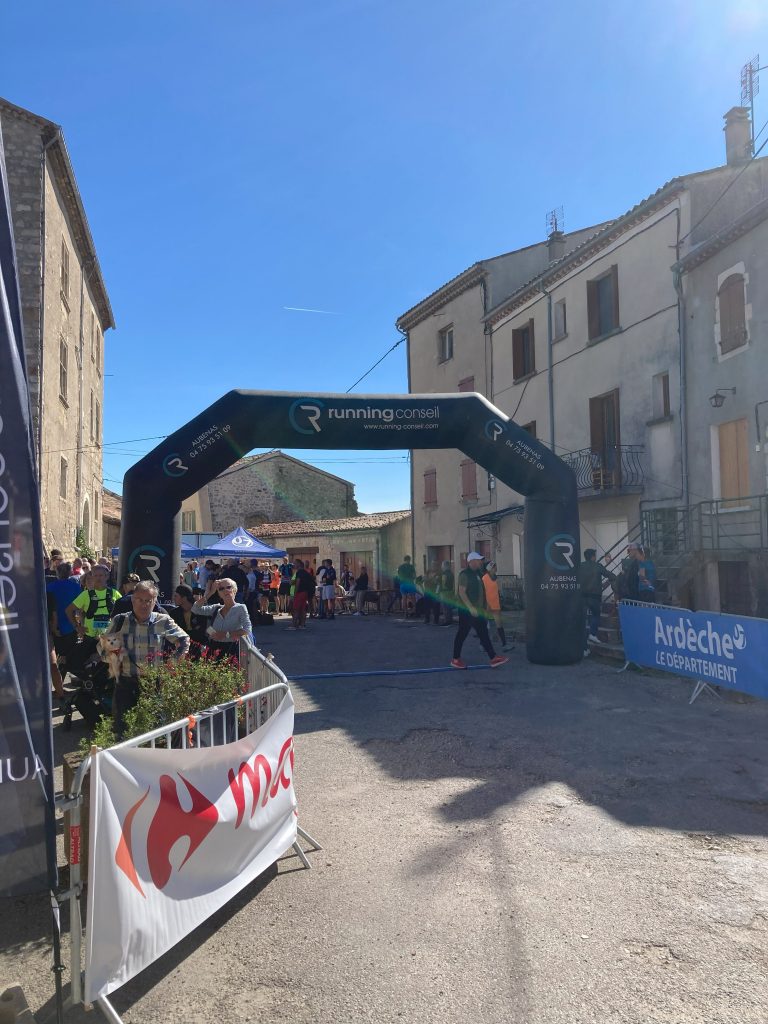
{"x":304,"y":416}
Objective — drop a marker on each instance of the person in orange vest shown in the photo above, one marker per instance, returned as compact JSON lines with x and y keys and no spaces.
{"x":493,"y":603}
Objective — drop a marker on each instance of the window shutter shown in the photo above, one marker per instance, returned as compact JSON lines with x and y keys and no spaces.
{"x":430,"y":487}
{"x":596,"y":431}
{"x":733,"y":320}
{"x":531,"y":360}
{"x":517,"y":356}
{"x":593,"y":309}
{"x":615,"y":293}
{"x":468,"y":479}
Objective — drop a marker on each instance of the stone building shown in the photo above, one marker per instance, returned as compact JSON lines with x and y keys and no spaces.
{"x":377,"y":541}
{"x":111,"y":517}
{"x":273,"y":487}
{"x":66,"y":311}
{"x":611,"y":355}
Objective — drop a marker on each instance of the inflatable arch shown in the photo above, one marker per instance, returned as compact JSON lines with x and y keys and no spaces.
{"x":155,"y":487}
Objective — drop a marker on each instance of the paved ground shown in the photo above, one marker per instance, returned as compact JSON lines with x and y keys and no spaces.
{"x":529,"y":845}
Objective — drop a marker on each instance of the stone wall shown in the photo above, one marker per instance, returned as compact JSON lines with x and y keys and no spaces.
{"x":65,"y":426}
{"x":275,"y":488}
{"x":24,"y":163}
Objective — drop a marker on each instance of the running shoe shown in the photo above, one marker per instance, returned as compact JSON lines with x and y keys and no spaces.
{"x":458,"y":663}
{"x":498,"y":660}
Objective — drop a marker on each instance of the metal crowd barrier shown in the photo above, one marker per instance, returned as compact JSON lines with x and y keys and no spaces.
{"x":267,"y":685}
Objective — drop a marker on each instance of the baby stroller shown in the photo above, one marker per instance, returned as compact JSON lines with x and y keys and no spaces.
{"x":93,"y":697}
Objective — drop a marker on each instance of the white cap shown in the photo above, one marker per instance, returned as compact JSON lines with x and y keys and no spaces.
{"x":473,"y":556}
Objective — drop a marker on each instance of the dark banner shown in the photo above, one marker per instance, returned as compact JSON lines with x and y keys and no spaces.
{"x":27,"y":834}
{"x":239,"y":421}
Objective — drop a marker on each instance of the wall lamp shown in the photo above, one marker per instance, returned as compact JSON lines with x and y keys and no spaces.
{"x":717,"y":400}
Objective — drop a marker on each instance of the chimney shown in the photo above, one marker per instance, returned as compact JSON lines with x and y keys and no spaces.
{"x":738,"y":136}
{"x":555,"y":246}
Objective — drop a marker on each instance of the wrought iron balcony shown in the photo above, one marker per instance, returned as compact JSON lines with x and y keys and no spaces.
{"x":616,"y":469}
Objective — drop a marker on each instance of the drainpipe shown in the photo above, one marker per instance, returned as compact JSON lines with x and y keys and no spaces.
{"x":550,"y":370}
{"x":407,"y":336}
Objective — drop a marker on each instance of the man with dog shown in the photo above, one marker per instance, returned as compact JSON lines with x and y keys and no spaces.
{"x":142,"y":634}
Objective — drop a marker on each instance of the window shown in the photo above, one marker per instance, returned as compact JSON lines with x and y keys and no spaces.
{"x":189,"y":522}
{"x":483,"y":547}
{"x":439,"y":553}
{"x":523,"y":352}
{"x":93,"y":337}
{"x":734,"y":459}
{"x":97,"y":435}
{"x":63,"y":360}
{"x":430,"y":487}
{"x":92,"y":413}
{"x":63,"y":478}
{"x":561,"y":324}
{"x":445,"y":345}
{"x":64,"y":278}
{"x":732,"y":313}
{"x":468,"y":384}
{"x":603,"y":304}
{"x":660,"y":396}
{"x":530,"y":428}
{"x":99,"y":350}
{"x":96,"y":505}
{"x":468,"y":479}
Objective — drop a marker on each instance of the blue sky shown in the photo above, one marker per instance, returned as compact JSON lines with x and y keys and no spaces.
{"x":350,"y":156}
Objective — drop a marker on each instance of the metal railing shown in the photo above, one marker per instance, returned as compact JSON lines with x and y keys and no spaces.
{"x":512,"y":590}
{"x":214,"y":726}
{"x":615,"y":468}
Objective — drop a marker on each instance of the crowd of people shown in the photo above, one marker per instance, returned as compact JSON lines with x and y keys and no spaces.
{"x":215,"y":604}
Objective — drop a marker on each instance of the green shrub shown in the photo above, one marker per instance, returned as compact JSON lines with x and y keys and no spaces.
{"x":170,"y":691}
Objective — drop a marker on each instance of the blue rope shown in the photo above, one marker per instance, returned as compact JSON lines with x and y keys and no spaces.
{"x":381,"y":672}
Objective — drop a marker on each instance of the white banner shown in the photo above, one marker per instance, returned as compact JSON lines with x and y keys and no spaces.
{"x":174,"y":835}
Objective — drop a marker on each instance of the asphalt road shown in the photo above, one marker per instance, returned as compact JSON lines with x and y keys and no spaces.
{"x":527,"y":845}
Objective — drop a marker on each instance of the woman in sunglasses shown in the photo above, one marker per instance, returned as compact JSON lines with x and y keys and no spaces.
{"x":230,"y":619}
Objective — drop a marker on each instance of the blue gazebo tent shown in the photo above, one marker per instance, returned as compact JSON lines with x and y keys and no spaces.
{"x":241,"y":544}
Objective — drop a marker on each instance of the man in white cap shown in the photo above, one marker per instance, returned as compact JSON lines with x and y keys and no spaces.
{"x":471,"y":595}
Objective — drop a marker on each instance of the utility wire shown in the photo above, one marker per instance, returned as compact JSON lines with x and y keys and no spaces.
{"x":398,"y":342}
{"x":82,"y":447}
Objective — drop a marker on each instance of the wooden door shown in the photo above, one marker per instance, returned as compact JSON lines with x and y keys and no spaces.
{"x":356,"y":560}
{"x":734,"y":459}
{"x":605,"y":440}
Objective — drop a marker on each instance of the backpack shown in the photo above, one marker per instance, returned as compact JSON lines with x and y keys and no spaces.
{"x":94,"y":603}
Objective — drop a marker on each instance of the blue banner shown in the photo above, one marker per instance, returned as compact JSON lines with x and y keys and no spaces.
{"x":725,"y":650}
{"x":27,"y":821}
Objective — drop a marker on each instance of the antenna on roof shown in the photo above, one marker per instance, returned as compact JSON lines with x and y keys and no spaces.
{"x":555,"y":220}
{"x":750,"y":87}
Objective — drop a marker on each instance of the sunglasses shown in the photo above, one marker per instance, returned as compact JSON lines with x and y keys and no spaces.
{"x":225,"y":588}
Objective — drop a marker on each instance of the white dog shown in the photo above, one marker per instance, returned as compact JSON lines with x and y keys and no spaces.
{"x":111,"y":646}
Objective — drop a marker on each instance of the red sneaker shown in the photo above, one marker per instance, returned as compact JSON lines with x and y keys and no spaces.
{"x":458,"y":663}
{"x":498,"y":660}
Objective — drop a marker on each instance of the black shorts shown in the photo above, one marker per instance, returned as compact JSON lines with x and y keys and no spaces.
{"x":285,"y":587}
